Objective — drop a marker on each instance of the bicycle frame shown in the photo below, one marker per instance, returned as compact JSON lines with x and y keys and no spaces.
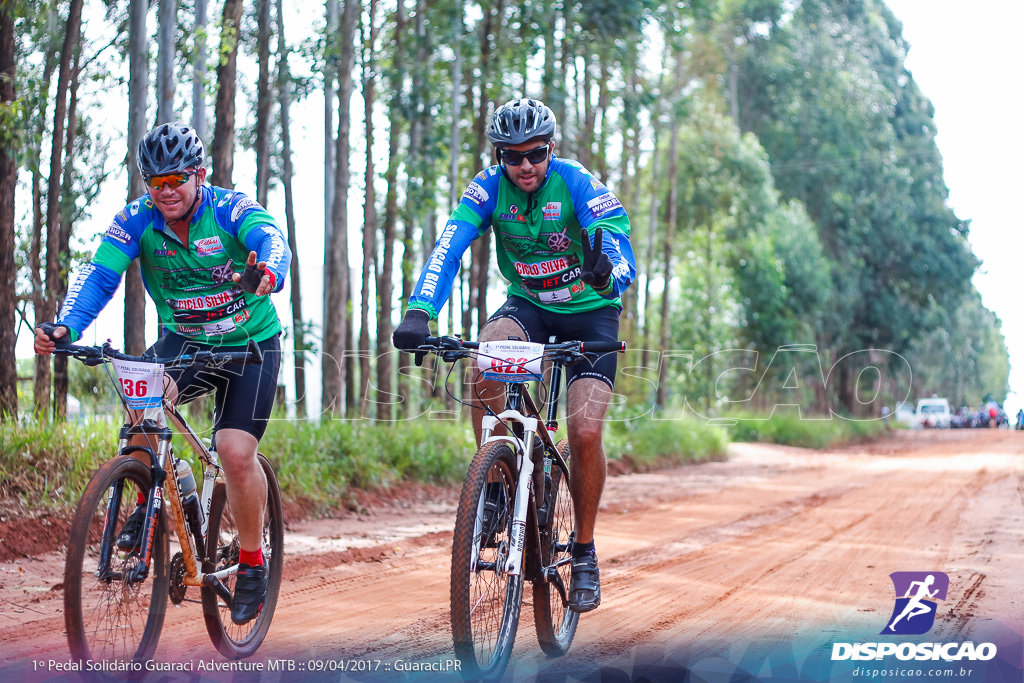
{"x":518,"y":398}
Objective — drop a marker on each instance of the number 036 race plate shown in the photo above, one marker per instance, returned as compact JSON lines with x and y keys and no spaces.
{"x":511,"y":361}
{"x":141,"y":384}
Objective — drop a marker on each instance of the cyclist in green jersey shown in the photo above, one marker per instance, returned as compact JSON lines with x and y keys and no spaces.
{"x":209,"y":257}
{"x":562,"y":243}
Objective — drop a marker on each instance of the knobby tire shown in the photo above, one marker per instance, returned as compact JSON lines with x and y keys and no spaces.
{"x":556,"y":623}
{"x":232,"y":640}
{"x":485,"y":600}
{"x":108,"y":616}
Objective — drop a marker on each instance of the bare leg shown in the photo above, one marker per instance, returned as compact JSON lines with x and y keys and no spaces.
{"x":246,"y":484}
{"x":588,"y":403}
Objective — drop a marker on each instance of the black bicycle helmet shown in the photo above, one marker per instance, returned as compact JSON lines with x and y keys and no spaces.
{"x":169,"y":148}
{"x":519,"y":121}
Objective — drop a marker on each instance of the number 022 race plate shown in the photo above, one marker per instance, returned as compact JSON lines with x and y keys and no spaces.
{"x":508,"y":360}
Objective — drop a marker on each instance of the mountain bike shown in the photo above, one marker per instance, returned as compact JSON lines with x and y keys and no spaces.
{"x":115,"y":599}
{"x":515,"y":519}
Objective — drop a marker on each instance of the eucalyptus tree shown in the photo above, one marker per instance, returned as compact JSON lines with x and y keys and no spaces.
{"x":47,"y":305}
{"x":8,"y":187}
{"x":299,"y":332}
{"x":336,"y":276}
{"x":138,"y":87}
{"x":264,"y":100}
{"x":222,"y":146}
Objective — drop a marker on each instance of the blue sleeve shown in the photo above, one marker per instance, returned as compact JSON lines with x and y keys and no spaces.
{"x":271,"y":247}
{"x":469,"y":220}
{"x":91,"y":291}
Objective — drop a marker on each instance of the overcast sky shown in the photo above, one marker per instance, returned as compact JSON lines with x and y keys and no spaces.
{"x":967,"y":59}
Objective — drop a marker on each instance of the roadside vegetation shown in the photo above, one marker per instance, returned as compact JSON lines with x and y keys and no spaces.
{"x":322,"y":466}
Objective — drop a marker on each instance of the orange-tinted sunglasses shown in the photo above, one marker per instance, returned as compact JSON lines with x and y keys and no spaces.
{"x":171,"y":180}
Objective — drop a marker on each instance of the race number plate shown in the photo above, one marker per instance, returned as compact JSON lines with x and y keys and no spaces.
{"x":508,"y":360}
{"x":141,"y":384}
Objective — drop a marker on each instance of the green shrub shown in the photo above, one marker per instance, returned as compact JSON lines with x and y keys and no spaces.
{"x":791,"y":430}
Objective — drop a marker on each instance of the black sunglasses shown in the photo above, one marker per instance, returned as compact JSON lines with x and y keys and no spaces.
{"x":514,"y":158}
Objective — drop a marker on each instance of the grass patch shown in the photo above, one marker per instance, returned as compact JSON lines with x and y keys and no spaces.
{"x":648,"y":443}
{"x":791,"y":430}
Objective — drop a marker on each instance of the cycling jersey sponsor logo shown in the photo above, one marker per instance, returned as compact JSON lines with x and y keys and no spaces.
{"x":209,"y":246}
{"x":195,"y":279}
{"x":512,"y":214}
{"x":552,"y":211}
{"x":554,"y":281}
{"x":193,"y":303}
{"x":75,"y":290}
{"x":602,"y":204}
{"x":476,"y":194}
{"x":208,"y":315}
{"x":435,"y":266}
{"x":164,"y":251}
{"x":559,"y":241}
{"x":119,"y":234}
{"x":542,"y":268}
{"x":241,"y":207}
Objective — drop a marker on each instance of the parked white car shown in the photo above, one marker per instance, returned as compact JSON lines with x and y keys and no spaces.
{"x":933,"y":413}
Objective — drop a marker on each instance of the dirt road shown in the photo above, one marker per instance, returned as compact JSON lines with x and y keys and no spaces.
{"x":753,"y":566}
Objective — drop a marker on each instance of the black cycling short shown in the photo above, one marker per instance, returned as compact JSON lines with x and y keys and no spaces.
{"x":244,"y":394}
{"x":541,"y":325}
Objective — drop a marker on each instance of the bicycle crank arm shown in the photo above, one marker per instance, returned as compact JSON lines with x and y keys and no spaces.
{"x":213,"y":581}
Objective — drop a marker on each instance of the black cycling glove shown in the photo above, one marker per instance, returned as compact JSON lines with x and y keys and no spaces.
{"x":413,"y":331}
{"x":597,"y":267}
{"x":251,"y":278}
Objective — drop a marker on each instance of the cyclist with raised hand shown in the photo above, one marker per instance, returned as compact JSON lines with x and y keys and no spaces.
{"x":562,"y":243}
{"x":209,"y":258}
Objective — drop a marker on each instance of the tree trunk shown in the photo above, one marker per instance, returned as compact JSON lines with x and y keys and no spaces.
{"x":369,"y":208}
{"x":45,"y":313}
{"x":336,"y":314}
{"x":223,"y":146}
{"x":199,"y":72}
{"x":138,"y":86}
{"x":264,"y":100}
{"x":167,"y":29}
{"x":671,"y":217}
{"x":298,"y":324}
{"x":8,"y":187}
{"x":65,"y":217}
{"x":385,"y":284}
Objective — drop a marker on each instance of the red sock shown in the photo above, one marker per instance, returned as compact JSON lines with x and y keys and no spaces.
{"x":253,"y":558}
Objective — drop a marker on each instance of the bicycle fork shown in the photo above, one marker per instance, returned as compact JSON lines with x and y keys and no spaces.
{"x":513,"y":564}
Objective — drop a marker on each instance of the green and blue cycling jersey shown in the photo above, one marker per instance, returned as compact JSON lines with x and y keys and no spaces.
{"x":190,"y":283}
{"x":538,"y":237}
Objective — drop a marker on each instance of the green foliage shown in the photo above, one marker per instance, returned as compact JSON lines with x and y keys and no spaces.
{"x":649,"y":442}
{"x":321,"y":462}
{"x":46,"y":465}
{"x":791,"y":430}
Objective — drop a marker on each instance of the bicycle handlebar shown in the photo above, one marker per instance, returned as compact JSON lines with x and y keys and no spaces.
{"x":95,"y":355}
{"x":440,"y":345}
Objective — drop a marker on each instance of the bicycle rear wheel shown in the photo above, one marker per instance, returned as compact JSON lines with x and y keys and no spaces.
{"x":485,"y":599}
{"x":233,"y":640}
{"x":109,"y":616}
{"x":556,"y":623}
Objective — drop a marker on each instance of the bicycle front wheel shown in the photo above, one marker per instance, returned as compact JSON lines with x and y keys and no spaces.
{"x":233,"y":640}
{"x":556,"y":623}
{"x":485,"y":598}
{"x":110,"y":614}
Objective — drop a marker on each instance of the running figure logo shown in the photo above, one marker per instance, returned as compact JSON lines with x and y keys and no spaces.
{"x":916,"y":596}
